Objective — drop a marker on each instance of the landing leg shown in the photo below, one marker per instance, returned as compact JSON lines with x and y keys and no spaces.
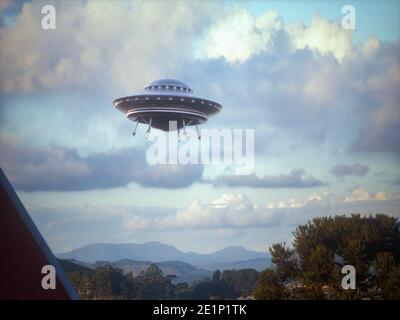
{"x":198,"y":133}
{"x":184,"y":127}
{"x":148,"y":129}
{"x":134,"y":131}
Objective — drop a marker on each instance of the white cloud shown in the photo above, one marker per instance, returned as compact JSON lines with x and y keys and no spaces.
{"x":238,"y":35}
{"x":226,"y":212}
{"x":373,"y":76}
{"x":325,"y":199}
{"x":370,"y":46}
{"x":235,"y":211}
{"x":103,"y":43}
{"x":235,"y":219}
{"x":291,"y":203}
{"x":98,"y":43}
{"x":309,"y":92}
{"x":322,"y":199}
{"x":238,"y":201}
{"x":289,"y":73}
{"x":323,"y":36}
{"x":360,"y":194}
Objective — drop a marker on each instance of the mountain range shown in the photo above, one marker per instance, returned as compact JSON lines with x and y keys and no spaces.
{"x":187,"y":267}
{"x":159,"y":252}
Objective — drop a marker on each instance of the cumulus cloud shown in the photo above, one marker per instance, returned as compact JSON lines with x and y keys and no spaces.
{"x":303,"y":82}
{"x":238,"y":201}
{"x":375,"y":83}
{"x":306,"y":78}
{"x":360,"y":194}
{"x":55,"y":168}
{"x":232,"y":211}
{"x":319,"y":201}
{"x":234,"y":218}
{"x":296,"y":75}
{"x":239,"y":35}
{"x":97,"y":44}
{"x":236,"y":211}
{"x":295,"y":179}
{"x":357,"y":169}
{"x":358,"y":200}
{"x":322,"y":35}
{"x":297,"y":92}
{"x":314,"y":96}
{"x":322,"y":199}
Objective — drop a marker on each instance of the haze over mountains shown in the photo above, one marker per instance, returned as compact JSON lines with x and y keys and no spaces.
{"x":187,"y":267}
{"x":159,"y":252}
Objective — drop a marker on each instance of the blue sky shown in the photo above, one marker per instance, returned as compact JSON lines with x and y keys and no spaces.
{"x":323,"y":103}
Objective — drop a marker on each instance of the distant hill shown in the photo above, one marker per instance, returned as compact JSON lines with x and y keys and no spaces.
{"x":157,"y":252}
{"x":184,"y":272}
{"x":71,"y":266}
{"x":150,"y":251}
{"x":188,"y":267}
{"x":176,"y":268}
{"x":228,"y":254}
{"x":257,"y":264}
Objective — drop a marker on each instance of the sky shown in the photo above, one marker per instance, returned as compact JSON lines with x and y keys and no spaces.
{"x":323,"y":102}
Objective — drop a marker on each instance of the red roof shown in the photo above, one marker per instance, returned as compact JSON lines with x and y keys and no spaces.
{"x":24,"y":252}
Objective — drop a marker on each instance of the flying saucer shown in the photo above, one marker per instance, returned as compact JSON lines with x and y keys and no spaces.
{"x":167,"y":100}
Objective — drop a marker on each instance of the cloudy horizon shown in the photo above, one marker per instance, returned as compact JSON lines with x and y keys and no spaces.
{"x":323,"y":102}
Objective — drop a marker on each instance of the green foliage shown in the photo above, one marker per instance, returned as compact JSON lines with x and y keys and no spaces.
{"x":242,"y":282}
{"x":284,"y":259}
{"x":230,"y":284}
{"x":320,"y":266}
{"x":153,"y":285}
{"x":216,"y":276}
{"x":216,"y":288}
{"x":106,"y":282}
{"x":312,"y":269}
{"x":387,"y":275}
{"x":109,"y":283}
{"x":182,"y":291}
{"x":269,"y":286}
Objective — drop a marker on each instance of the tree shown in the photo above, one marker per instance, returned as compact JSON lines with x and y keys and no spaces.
{"x":242,"y":282}
{"x":86,"y":286}
{"x":312,"y":269}
{"x":152,"y":285}
{"x":182,"y":291}
{"x":387,"y":275}
{"x":106,"y":282}
{"x":216,"y":276}
{"x":269,"y":286}
{"x":285,"y":261}
{"x":221,"y":286}
{"x":109,"y":282}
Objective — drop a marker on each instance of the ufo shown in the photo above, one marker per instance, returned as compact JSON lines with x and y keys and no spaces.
{"x":167,"y":100}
